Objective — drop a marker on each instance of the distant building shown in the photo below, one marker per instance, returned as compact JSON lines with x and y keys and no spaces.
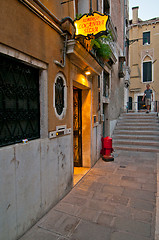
{"x":52,"y":115}
{"x":144,"y":60}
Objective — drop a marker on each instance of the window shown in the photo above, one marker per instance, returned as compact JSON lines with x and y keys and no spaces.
{"x":97,"y":6}
{"x":147,"y":71}
{"x":82,"y":6}
{"x":19,"y":101}
{"x":146,"y":38}
{"x":60,"y":101}
{"x":106,"y":6}
{"x":130,"y":103}
{"x":106,"y":84}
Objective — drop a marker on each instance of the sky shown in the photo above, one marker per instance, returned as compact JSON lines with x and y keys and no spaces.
{"x":147,"y":8}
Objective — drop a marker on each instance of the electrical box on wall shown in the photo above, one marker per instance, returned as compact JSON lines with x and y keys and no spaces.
{"x":94,"y":119}
{"x":102,"y":117}
{"x":60,"y":131}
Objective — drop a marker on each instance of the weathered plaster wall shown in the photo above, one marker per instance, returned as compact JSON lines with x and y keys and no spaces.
{"x":117,"y":94}
{"x":33,"y":177}
{"x":117,"y":15}
{"x":96,"y":143}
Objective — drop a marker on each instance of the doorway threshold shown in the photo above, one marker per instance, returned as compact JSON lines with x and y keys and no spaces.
{"x":79,"y":173}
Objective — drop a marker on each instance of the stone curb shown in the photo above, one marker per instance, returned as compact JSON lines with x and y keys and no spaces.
{"x":157,"y":202}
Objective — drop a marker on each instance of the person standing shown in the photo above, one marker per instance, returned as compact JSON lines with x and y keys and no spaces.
{"x":148,"y":95}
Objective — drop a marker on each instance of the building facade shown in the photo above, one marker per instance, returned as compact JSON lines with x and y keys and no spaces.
{"x":144,"y":63}
{"x":52,"y":115}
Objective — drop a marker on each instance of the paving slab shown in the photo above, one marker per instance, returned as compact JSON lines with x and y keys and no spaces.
{"x":126,"y":236}
{"x":141,"y":215}
{"x":59,"y":223}
{"x":113,"y":201}
{"x":142,"y":205}
{"x":40,"y":234}
{"x":89,"y":231}
{"x":132,"y":226}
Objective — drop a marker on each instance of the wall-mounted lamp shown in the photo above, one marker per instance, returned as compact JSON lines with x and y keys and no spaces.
{"x":87,"y":71}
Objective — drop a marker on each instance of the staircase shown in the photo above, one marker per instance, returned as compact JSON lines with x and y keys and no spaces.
{"x":137,"y":132}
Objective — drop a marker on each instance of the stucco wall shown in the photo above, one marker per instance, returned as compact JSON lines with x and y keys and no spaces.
{"x":137,"y":53}
{"x":33,"y":177}
{"x":117,"y":94}
{"x":117,"y":15}
{"x":22,"y":30}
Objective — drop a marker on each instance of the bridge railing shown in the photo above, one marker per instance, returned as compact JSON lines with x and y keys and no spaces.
{"x":140,"y":106}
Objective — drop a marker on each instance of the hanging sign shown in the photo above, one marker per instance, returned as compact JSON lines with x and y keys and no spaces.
{"x":88,"y":25}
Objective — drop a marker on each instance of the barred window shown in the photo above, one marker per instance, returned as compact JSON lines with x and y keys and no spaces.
{"x":19,"y":101}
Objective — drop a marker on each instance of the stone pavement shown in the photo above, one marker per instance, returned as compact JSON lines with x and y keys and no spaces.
{"x":114,"y":201}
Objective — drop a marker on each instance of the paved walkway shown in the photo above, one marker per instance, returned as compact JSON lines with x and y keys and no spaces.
{"x":114,"y":201}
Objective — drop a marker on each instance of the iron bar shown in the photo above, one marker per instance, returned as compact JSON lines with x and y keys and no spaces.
{"x":20,"y":107}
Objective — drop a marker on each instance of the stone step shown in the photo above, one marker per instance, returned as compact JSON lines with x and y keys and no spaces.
{"x":137,"y":132}
{"x":135,"y":142}
{"x":138,"y":117}
{"x":134,"y":132}
{"x":137,"y":128}
{"x":138,"y":120}
{"x":138,"y":124}
{"x":139,"y":113}
{"x":139,"y":137}
{"x":136,"y":148}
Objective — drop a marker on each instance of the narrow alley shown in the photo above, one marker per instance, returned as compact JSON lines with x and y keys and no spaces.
{"x":79,"y":120}
{"x":113,"y":201}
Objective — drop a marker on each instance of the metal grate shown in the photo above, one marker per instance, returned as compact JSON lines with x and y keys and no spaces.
{"x":19,"y":101}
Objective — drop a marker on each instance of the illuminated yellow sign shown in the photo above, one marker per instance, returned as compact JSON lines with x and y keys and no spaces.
{"x":94,"y":24}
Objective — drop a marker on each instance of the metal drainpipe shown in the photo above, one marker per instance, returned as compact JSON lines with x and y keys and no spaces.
{"x":64,"y":55}
{"x":124,"y":50}
{"x":58,"y":21}
{"x":41,"y":15}
{"x":47,"y":11}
